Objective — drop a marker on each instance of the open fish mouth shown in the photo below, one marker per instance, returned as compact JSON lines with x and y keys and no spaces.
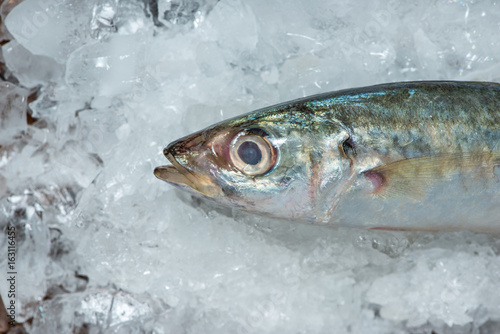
{"x":179,"y":176}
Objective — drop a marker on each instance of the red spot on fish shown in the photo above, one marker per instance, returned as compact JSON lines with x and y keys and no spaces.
{"x":377,"y":179}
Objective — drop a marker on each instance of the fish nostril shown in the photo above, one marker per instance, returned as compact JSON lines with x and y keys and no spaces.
{"x":172,"y":148}
{"x":183,"y":145}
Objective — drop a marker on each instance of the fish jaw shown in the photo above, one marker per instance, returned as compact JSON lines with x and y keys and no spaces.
{"x":183,"y":177}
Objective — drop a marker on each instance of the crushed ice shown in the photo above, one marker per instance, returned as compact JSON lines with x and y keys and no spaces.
{"x":97,"y":88}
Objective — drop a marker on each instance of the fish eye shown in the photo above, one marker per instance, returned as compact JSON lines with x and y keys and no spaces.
{"x":252,"y":153}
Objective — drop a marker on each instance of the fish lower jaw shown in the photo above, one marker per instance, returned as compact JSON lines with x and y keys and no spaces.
{"x":171,"y":174}
{"x":180,"y":177}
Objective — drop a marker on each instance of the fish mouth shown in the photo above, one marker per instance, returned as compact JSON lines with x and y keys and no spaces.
{"x":180,"y":176}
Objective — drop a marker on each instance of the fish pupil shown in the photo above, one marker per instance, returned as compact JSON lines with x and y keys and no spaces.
{"x":250,"y":153}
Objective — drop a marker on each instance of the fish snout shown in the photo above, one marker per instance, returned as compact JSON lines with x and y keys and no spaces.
{"x":187,"y":168}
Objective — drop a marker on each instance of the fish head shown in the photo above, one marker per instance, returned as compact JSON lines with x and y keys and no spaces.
{"x":282,"y":163}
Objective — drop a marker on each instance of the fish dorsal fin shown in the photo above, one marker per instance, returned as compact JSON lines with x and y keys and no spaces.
{"x":411,"y":177}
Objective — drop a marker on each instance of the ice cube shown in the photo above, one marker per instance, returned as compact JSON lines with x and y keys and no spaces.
{"x":29,"y":69}
{"x":90,"y":310}
{"x":103,"y":19}
{"x":52,"y":28}
{"x":13,"y":109}
{"x":106,"y":68}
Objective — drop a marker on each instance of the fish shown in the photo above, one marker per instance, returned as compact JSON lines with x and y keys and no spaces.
{"x":398,"y":156}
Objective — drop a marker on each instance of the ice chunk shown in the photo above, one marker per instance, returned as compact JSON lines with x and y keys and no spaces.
{"x":29,"y":69}
{"x":236,"y":14}
{"x":103,"y":19}
{"x":116,"y":311}
{"x":13,"y":108}
{"x":29,"y":212}
{"x":52,"y":28}
{"x":124,"y":17}
{"x":106,"y":68}
{"x":179,"y":12}
{"x":77,"y":164}
{"x":182,"y":12}
{"x":5,"y":9}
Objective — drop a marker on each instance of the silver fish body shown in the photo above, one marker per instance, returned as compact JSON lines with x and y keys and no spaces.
{"x":411,"y":155}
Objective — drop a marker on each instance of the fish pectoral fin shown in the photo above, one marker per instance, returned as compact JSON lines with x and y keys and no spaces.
{"x":412,"y":177}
